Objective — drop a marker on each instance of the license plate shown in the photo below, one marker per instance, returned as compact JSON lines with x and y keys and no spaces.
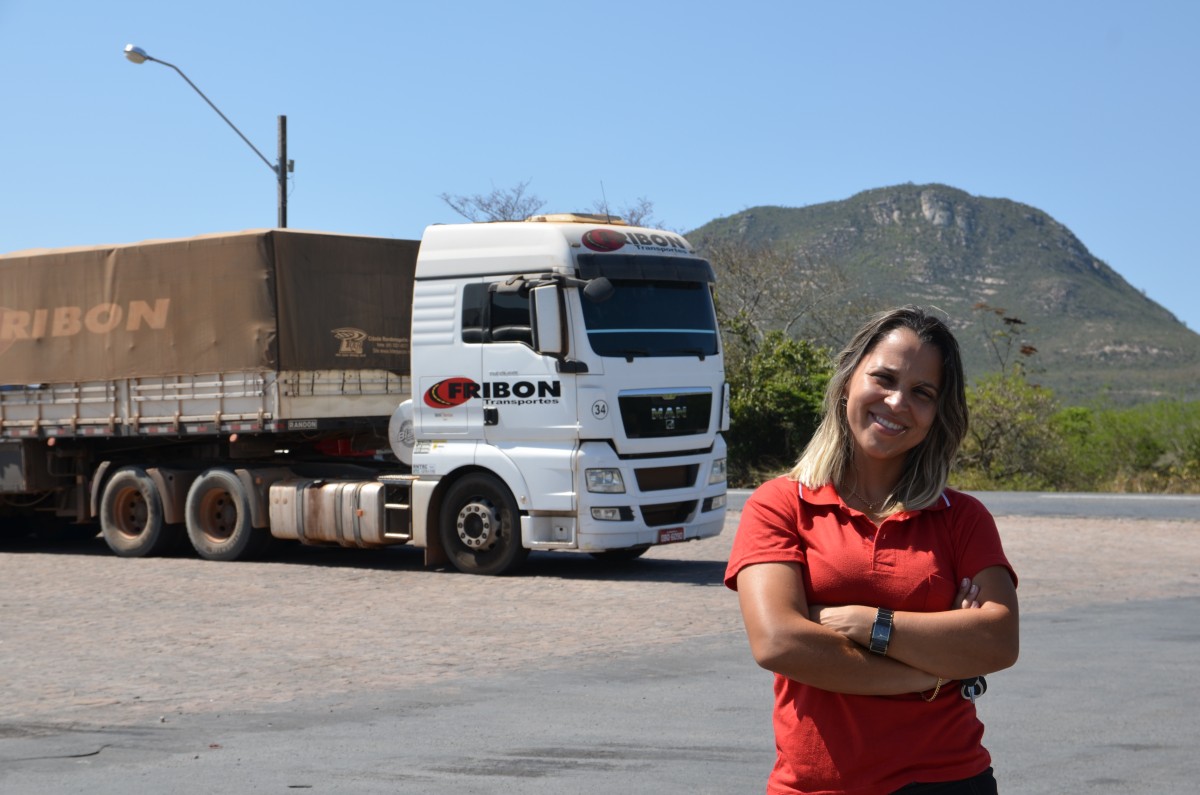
{"x":670,"y":535}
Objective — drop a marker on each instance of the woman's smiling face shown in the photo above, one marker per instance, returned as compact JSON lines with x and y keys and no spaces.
{"x":892,"y":396}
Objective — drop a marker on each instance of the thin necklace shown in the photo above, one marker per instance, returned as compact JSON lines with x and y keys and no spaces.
{"x":871,"y":506}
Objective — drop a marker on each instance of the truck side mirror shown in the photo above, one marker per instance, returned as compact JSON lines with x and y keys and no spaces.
{"x":598,"y":290}
{"x":546,"y":305}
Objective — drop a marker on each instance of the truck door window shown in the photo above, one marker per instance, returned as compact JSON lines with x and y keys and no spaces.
{"x":494,"y":316}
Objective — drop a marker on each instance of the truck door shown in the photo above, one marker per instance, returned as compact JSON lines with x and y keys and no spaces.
{"x":446,"y":356}
{"x":522,"y":392}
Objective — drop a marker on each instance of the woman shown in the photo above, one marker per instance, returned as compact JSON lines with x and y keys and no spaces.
{"x":869,"y":588}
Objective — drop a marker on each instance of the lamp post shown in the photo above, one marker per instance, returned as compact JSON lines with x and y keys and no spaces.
{"x":281,"y":168}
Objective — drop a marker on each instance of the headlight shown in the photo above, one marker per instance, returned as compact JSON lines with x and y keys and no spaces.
{"x":605,"y":481}
{"x":717,"y":473}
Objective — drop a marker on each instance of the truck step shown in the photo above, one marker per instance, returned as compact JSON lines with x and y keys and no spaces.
{"x":397,"y":480}
{"x":397,"y":487}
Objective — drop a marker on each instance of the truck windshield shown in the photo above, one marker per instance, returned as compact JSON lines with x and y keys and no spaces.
{"x":653,"y":318}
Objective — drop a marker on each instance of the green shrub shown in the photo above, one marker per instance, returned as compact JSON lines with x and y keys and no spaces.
{"x":1020,"y":440}
{"x":1011,"y":442}
{"x":1154,"y":447}
{"x":776,"y":394}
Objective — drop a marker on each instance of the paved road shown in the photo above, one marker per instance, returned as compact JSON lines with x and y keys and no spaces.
{"x":1046,"y":503}
{"x":340,"y":671}
{"x":1104,"y":506}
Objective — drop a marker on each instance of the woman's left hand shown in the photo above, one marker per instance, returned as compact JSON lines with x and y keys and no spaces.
{"x":855,"y":621}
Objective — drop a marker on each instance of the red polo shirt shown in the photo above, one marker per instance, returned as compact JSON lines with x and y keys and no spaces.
{"x":869,"y":745}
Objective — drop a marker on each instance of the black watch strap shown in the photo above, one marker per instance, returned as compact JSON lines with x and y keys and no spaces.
{"x":881,"y":631}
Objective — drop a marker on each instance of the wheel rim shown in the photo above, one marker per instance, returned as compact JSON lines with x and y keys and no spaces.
{"x":130,"y":514}
{"x":478,"y":525}
{"x":218,"y":515}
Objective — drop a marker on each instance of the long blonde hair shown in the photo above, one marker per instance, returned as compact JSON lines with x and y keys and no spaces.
{"x":829,"y":453}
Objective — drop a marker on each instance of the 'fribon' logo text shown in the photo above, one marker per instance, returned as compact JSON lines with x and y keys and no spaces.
{"x":452,"y":392}
{"x":612,"y":240}
{"x":67,"y":321}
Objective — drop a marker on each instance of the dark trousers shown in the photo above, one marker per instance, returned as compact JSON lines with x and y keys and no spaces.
{"x":983,"y":784}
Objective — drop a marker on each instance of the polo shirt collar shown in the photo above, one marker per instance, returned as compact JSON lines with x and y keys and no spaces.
{"x":822,"y":495}
{"x":827,"y":495}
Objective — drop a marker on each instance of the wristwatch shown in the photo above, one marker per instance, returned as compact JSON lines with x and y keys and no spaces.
{"x":881,"y":631}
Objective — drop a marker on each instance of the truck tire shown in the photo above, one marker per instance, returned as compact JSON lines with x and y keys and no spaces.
{"x":218,"y":518}
{"x":131,"y":516}
{"x":481,"y":527}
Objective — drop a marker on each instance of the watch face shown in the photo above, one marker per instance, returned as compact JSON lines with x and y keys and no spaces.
{"x":881,"y":632}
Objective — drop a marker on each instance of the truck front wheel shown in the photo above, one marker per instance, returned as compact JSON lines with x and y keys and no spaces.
{"x":131,"y":516}
{"x":218,"y":518}
{"x":481,"y":527}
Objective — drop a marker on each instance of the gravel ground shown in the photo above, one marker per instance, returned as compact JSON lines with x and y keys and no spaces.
{"x":91,"y":637}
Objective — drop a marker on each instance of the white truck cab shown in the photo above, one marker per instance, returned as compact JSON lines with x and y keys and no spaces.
{"x":568,"y":392}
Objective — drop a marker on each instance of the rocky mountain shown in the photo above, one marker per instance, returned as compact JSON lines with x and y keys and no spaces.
{"x":1099,"y":339}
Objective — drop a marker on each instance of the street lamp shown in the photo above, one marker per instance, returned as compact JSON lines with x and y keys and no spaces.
{"x":281,"y":168}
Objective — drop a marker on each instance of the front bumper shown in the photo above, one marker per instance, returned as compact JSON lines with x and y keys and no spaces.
{"x":667,"y":499}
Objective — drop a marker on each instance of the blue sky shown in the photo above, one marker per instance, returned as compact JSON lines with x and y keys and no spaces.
{"x":1086,"y":110}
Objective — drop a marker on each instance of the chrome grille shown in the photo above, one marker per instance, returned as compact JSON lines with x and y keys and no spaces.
{"x":647,"y":416}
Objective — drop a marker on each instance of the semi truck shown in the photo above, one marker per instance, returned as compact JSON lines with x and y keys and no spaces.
{"x":490,"y":389}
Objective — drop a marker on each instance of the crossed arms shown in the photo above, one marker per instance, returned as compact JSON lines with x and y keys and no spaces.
{"x":826,"y":646}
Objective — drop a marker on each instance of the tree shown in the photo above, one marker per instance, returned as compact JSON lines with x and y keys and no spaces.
{"x":1013,"y":441}
{"x":640,"y":213}
{"x":1004,"y":339}
{"x":774,"y":287}
{"x":502,"y":204}
{"x":776,"y":397}
{"x":517,"y":204}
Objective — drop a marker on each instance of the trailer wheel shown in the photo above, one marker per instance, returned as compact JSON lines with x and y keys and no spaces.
{"x":218,"y":518}
{"x":481,"y":527}
{"x":131,"y":516}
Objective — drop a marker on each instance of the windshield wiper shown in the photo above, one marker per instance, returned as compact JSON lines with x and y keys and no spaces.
{"x":630,"y":353}
{"x":698,"y":352}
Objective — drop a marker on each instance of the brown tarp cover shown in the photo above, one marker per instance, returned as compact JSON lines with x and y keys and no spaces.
{"x":259,"y":300}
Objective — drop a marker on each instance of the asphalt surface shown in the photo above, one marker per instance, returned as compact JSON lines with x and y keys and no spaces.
{"x":1184,"y":507}
{"x":348,"y":672}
